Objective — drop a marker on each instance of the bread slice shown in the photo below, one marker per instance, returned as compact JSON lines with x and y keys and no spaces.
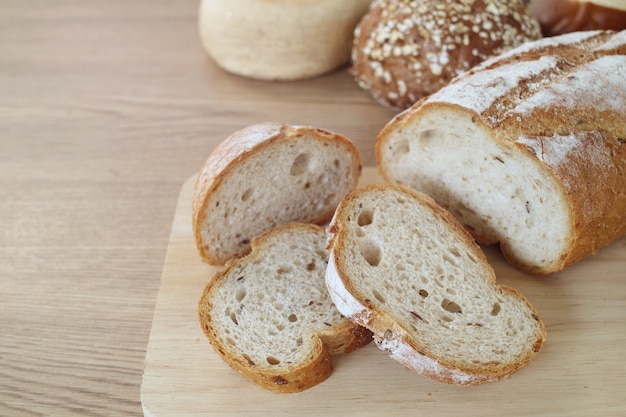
{"x":266,"y":175}
{"x":526,"y":149}
{"x":405,"y":268}
{"x":269,"y":315}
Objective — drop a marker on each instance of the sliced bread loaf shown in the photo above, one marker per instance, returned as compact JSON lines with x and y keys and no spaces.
{"x":266,"y":175}
{"x":527,"y":149}
{"x":406,"y":269}
{"x":269,"y":315}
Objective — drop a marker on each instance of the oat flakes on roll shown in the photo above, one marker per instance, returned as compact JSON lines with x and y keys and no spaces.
{"x":404,"y":50}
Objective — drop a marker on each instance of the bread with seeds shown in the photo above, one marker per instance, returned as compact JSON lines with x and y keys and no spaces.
{"x":406,"y":50}
{"x":266,"y":175}
{"x":269,"y":316}
{"x":403,"y":267}
{"x":526,"y":150}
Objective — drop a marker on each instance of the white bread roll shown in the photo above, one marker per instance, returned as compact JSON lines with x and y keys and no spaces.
{"x":279,"y":39}
{"x":527,"y":149}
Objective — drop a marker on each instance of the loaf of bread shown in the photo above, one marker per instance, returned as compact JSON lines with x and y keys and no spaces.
{"x":526,"y":149}
{"x":279,"y":39}
{"x":266,"y":175}
{"x":405,"y":50}
{"x":557,"y":17}
{"x":269,"y":315}
{"x":405,"y":268}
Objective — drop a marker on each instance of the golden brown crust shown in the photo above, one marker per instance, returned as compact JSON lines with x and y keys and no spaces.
{"x":404,"y":51}
{"x":564,"y":16}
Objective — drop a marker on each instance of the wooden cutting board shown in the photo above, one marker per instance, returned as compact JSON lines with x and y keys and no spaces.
{"x":581,"y":370}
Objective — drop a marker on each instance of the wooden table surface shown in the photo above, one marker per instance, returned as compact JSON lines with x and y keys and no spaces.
{"x":106,"y":108}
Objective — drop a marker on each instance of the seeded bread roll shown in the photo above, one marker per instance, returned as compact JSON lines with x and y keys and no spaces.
{"x":279,"y":39}
{"x":269,"y":316}
{"x":266,"y":175}
{"x":527,"y":149}
{"x":404,"y":50}
{"x":563,"y":16}
{"x":405,"y":268}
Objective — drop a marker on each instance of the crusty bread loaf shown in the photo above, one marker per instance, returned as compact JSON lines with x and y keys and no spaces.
{"x":405,"y":50}
{"x":557,"y":17}
{"x":405,"y":268}
{"x":526,"y":149}
{"x":279,"y":39}
{"x":265,"y":175}
{"x":269,"y":315}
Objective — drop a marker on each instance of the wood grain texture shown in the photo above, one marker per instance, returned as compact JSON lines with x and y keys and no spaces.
{"x":106,"y":108}
{"x":579,"y":371}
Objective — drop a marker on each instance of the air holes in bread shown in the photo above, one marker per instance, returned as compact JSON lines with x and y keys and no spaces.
{"x":423,"y":293}
{"x":248,"y":359}
{"x":300,"y":165}
{"x":402,"y":147}
{"x":451,"y":306}
{"x":292,"y":318}
{"x":272,"y":360}
{"x":233,"y":317}
{"x":379,"y":296}
{"x":246,"y":195}
{"x":495,"y":309}
{"x":370,"y":250}
{"x":366,"y":217}
{"x":240,"y":294}
{"x":283,"y":270}
{"x":426,"y":137}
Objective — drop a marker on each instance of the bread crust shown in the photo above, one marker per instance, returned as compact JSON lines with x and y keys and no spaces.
{"x":564,"y":16}
{"x":404,"y":51}
{"x":234,"y":151}
{"x":279,"y":39}
{"x":565,"y":125}
{"x":390,"y":333}
{"x":342,"y":338}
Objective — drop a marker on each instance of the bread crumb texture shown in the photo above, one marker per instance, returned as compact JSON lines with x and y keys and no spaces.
{"x":431,"y":296}
{"x":270,"y":317}
{"x":406,"y":49}
{"x":267,"y":175}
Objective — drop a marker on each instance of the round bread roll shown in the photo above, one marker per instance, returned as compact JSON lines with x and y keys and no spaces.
{"x":406,"y":50}
{"x":563,"y":16}
{"x":279,"y":39}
